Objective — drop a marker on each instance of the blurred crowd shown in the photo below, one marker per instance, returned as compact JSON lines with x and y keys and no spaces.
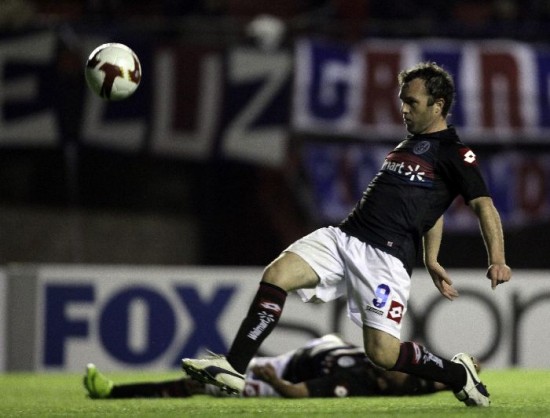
{"x":431,"y":15}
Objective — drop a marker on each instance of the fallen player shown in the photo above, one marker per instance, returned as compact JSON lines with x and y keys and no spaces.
{"x":324,"y":367}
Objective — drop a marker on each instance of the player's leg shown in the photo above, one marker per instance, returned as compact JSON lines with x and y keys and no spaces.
{"x":459,"y":374}
{"x":287,"y":272}
{"x":381,"y":348}
{"x":313,"y":263}
{"x":98,"y":386}
{"x":176,"y":388}
{"x":379,"y":292}
{"x":388,"y":352}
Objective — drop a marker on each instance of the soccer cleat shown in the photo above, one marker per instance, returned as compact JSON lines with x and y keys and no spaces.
{"x":97,"y":385}
{"x":215,"y":370}
{"x":474,"y":393}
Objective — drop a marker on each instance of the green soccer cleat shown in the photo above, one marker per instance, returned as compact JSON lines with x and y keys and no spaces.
{"x":97,"y":385}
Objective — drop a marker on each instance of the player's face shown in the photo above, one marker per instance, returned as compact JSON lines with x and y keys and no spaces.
{"x":419,"y":116}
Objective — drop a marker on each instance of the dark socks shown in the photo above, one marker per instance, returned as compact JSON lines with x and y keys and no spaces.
{"x":167,"y":389}
{"x":262,"y":317}
{"x":416,"y":360}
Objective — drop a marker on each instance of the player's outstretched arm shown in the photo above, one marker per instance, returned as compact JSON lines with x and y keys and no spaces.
{"x":431,"y":244}
{"x":491,"y":230}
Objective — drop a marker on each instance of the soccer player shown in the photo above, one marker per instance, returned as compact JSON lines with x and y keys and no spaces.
{"x":325,"y":367}
{"x":370,"y":255}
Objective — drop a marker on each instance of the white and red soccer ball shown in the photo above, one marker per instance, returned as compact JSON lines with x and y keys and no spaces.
{"x":113,"y":71}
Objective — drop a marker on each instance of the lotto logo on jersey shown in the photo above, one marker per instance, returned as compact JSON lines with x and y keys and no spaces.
{"x":396,"y":311}
{"x":468,"y":156}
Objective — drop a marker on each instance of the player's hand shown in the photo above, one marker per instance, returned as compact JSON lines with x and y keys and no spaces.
{"x":498,"y":274}
{"x":265,"y":373}
{"x":442,"y":281}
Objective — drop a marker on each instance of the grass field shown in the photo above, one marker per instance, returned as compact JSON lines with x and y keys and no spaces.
{"x":514,"y":393}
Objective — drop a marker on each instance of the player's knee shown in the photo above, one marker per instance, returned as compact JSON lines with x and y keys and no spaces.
{"x":381,"y":358}
{"x":382,"y":349}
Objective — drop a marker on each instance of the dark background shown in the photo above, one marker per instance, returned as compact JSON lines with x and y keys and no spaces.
{"x":80,"y":204}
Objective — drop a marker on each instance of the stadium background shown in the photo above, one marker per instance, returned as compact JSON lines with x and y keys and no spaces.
{"x":214,"y":161}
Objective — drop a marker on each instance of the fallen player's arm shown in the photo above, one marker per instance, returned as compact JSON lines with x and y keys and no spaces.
{"x":284,"y":388}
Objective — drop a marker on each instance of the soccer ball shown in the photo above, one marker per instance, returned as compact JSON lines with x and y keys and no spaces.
{"x":113,"y":71}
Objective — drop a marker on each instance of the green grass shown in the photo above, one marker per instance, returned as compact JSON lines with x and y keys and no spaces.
{"x":514,"y":393}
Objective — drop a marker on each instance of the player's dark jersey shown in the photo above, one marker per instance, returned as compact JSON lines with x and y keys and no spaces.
{"x":332,"y":369}
{"x":416,"y":184}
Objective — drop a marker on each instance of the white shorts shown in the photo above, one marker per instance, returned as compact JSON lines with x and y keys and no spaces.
{"x":376,"y":283}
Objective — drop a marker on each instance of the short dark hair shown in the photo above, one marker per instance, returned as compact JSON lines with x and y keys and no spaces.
{"x":439,"y":83}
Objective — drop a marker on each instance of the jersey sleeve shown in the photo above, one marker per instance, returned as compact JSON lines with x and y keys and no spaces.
{"x":459,"y":167}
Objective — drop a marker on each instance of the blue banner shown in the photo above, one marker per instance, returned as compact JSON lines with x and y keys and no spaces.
{"x":351,"y":90}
